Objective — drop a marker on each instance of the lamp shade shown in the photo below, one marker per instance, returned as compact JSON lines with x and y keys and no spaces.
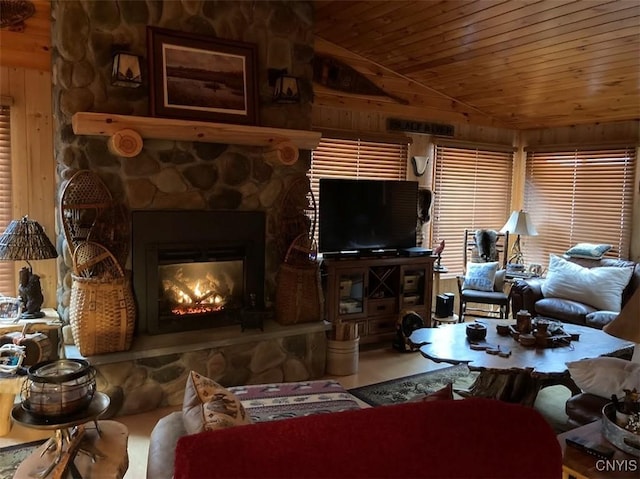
{"x":627,"y":324}
{"x":25,"y":240}
{"x":519,"y":223}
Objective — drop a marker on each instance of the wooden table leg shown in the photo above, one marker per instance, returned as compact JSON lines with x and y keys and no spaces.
{"x":514,"y":387}
{"x":6,"y":403}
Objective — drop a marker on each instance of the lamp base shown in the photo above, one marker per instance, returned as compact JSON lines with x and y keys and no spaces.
{"x":36,"y":315}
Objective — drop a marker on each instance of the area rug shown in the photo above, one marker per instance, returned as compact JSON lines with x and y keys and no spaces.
{"x":550,"y":401}
{"x":409,"y":387}
{"x":12,"y":456}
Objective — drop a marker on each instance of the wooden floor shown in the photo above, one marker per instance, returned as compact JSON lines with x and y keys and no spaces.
{"x":376,"y":364}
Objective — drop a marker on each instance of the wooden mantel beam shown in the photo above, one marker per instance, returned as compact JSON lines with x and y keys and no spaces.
{"x":106,"y":124}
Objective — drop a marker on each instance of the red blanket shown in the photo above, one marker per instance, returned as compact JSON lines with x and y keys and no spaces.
{"x":473,"y":438}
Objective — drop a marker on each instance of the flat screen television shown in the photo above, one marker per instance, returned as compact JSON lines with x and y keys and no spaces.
{"x":367,"y":215}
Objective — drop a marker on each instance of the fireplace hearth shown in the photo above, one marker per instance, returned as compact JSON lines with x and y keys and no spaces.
{"x":196,"y":269}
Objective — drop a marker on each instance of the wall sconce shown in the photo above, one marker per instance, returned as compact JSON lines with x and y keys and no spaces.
{"x":286,"y":90}
{"x":126,"y":70}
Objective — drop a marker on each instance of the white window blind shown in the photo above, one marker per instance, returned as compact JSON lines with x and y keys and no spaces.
{"x":472,"y":190}
{"x":579,"y":196}
{"x":344,"y":158}
{"x":7,"y":280}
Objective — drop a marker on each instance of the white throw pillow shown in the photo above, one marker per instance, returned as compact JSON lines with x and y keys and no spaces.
{"x":600,"y":287}
{"x":480,"y":276}
{"x":605,"y":376}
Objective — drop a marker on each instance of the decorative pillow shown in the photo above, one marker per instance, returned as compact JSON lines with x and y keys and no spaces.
{"x":480,"y":276}
{"x":207,"y":406}
{"x":588,"y":250}
{"x":599,"y":319}
{"x":444,"y":394}
{"x":600,"y":287}
{"x":605,"y":376}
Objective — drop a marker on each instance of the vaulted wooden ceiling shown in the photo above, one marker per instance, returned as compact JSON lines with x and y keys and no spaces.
{"x":516,"y":63}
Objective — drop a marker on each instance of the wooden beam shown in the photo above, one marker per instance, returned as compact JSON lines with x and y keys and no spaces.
{"x":106,"y":124}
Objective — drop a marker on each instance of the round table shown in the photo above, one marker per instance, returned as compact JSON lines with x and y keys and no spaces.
{"x":436,"y":321}
{"x":69,"y":438}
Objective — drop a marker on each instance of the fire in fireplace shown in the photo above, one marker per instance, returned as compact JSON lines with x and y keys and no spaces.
{"x":196,"y":269}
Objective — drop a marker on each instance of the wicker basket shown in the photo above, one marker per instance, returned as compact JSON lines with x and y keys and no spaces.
{"x":299,"y":297}
{"x":102,"y":314}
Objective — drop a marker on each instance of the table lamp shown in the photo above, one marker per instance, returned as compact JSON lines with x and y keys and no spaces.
{"x":627,"y":324}
{"x":518,"y":223}
{"x":25,"y":240}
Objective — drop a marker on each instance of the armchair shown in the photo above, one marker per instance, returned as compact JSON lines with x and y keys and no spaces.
{"x":482,"y":283}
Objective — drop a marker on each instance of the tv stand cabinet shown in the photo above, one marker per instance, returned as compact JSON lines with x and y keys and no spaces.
{"x":372,"y":292}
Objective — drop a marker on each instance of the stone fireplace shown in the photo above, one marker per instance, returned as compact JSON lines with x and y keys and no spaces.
{"x":191,"y":177}
{"x":196,"y":269}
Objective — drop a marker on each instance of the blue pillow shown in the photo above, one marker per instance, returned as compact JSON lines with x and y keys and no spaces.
{"x":480,"y":276}
{"x":588,"y":250}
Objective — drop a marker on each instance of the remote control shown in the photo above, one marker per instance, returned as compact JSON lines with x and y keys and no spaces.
{"x":592,"y":448}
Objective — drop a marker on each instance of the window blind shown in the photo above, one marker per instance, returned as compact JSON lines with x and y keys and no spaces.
{"x":579,"y":196}
{"x":344,"y":158}
{"x":472,"y":190}
{"x":7,"y":277}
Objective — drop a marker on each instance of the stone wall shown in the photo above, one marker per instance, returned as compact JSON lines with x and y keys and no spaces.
{"x":182,"y":175}
{"x":170,"y":174}
{"x":138,"y":385}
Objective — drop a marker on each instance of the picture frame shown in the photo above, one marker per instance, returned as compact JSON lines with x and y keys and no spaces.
{"x":199,"y":77}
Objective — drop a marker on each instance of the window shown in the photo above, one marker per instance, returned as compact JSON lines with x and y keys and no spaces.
{"x":579,"y":196}
{"x":472,"y":190}
{"x":338,"y":158}
{"x":7,"y":277}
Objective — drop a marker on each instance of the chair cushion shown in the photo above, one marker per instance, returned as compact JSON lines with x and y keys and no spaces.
{"x":600,"y":287}
{"x":485,"y":297}
{"x":480,"y":276}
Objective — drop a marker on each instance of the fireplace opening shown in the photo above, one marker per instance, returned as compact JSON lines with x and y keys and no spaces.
{"x":196,"y":269}
{"x":192,"y":283}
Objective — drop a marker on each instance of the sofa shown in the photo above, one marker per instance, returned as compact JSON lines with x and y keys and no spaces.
{"x":575,"y":304}
{"x":317,"y":429}
{"x":471,"y":438}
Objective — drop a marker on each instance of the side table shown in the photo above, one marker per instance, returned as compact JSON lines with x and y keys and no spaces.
{"x":10,"y":385}
{"x":580,"y":465}
{"x":103,"y":450}
{"x":436,"y":321}
{"x":112,"y":461}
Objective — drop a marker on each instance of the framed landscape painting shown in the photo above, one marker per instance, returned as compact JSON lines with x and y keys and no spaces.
{"x":198,"y":77}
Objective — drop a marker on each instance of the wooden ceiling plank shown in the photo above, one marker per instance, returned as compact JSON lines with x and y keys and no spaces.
{"x":532,"y":41}
{"x":531,"y":18}
{"x":576,"y":58}
{"x":365,"y":21}
{"x":627,"y":63}
{"x":479,"y":95}
{"x":423,"y":25}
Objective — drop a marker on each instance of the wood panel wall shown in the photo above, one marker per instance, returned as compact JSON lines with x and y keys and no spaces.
{"x":31,"y":47}
{"x":33,"y":175}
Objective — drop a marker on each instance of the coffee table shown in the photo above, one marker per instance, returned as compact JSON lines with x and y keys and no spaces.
{"x":519,"y":377}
